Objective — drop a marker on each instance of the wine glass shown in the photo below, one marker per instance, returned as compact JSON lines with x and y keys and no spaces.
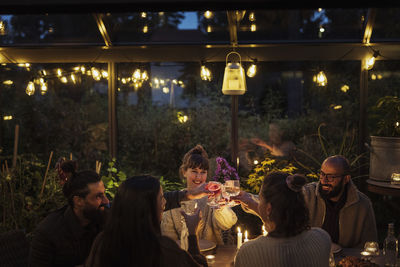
{"x":232,"y":187}
{"x":189,"y":207}
{"x":216,"y":193}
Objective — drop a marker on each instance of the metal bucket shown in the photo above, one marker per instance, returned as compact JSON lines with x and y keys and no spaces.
{"x":384,"y":158}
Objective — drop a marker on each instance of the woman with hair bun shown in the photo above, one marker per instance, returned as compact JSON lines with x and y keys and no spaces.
{"x":290,"y":240}
{"x":194,"y":170}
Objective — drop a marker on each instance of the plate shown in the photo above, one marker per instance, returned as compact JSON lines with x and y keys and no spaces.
{"x":204,"y":245}
{"x":335,"y":248}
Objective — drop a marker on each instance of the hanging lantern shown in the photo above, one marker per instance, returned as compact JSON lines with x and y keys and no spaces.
{"x":30,"y":89}
{"x":234,"y":77}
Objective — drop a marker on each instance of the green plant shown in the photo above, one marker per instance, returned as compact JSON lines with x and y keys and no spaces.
{"x":22,"y":205}
{"x":170,"y":186}
{"x":387,"y":114}
{"x":268,"y":165}
{"x":113,"y":179}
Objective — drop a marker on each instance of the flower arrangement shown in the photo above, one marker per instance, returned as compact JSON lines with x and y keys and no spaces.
{"x":224,"y":171}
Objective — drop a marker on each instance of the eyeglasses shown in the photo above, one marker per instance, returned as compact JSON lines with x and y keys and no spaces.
{"x":329,"y":177}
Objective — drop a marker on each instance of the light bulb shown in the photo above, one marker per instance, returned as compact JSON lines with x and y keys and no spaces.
{"x":145,"y":29}
{"x":64,"y":79}
{"x":8,"y":82}
{"x":252,"y":70}
{"x":144,"y":76}
{"x":369,"y":64}
{"x":59,"y":72}
{"x":252,"y":17}
{"x":253,"y":27}
{"x":2,"y":28}
{"x":321,"y":79}
{"x":209,"y":28}
{"x":96,"y":74}
{"x":205,"y":73}
{"x":30,"y":88}
{"x":208,"y":14}
{"x":345,"y":88}
{"x":136,"y":75}
{"x":73,"y":79}
{"x":143,"y":14}
{"x":43,"y":88}
{"x":104,"y":74}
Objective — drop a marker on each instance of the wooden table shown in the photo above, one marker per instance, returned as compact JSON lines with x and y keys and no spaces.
{"x":383,"y":188}
{"x":224,"y":256}
{"x":380,"y":260}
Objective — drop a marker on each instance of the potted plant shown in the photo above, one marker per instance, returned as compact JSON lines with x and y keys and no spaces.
{"x":385,"y":143}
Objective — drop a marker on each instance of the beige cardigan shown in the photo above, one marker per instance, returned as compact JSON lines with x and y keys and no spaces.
{"x":213,"y":221}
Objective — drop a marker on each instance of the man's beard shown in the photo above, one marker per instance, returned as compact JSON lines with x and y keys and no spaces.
{"x":333,"y":193}
{"x":94,"y":215}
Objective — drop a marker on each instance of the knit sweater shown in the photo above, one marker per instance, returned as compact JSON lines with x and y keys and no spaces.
{"x":311,"y":248}
{"x":212,"y":222}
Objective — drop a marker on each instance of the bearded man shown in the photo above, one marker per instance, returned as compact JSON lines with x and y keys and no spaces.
{"x":336,"y":205}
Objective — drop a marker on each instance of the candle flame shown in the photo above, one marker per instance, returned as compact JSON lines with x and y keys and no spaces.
{"x":238,"y":229}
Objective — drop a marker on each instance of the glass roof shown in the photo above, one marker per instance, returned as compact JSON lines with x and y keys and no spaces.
{"x":199,"y":27}
{"x":49,"y":29}
{"x":387,"y":25}
{"x":302,"y":25}
{"x":168,"y":27}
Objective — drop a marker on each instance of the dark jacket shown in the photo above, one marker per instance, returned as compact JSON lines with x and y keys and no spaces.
{"x":171,"y":253}
{"x":60,"y":241}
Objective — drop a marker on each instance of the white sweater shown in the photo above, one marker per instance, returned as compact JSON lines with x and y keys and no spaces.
{"x":311,"y":248}
{"x":212,"y":222}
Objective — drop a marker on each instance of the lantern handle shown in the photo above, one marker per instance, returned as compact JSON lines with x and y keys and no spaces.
{"x":233,"y":52}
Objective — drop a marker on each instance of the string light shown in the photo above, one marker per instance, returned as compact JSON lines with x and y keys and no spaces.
{"x":64,"y":79}
{"x":205,"y":73}
{"x":369,"y":63}
{"x":43,"y":88}
{"x":209,"y":28}
{"x":252,"y":17}
{"x":30,"y":88}
{"x":59,"y":72}
{"x":182,"y":118}
{"x":96,"y":74}
{"x":2,"y":28}
{"x":345,"y":88}
{"x":7,"y":118}
{"x":253,"y":27}
{"x":321,"y":79}
{"x":143,"y":15}
{"x":252,"y":70}
{"x":165,"y":90}
{"x":8,"y":82}
{"x":104,"y":74}
{"x":208,"y":14}
{"x":145,"y":29}
{"x":73,"y":79}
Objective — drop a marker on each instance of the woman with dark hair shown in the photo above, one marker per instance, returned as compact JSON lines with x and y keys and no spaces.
{"x":132,"y":235}
{"x":290,"y":240}
{"x":194,"y":170}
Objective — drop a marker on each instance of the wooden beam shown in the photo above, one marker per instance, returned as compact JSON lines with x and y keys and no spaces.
{"x":102,"y":29}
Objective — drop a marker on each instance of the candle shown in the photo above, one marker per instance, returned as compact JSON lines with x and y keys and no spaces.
{"x":264,"y":231}
{"x":245,"y":236}
{"x":239,"y":238}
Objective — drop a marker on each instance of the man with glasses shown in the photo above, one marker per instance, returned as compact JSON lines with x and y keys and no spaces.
{"x":336,"y":205}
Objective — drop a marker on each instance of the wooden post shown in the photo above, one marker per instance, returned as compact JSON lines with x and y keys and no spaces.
{"x":45,"y":175}
{"x":234,"y":131}
{"x":16,"y":134}
{"x":362,"y":128}
{"x":112,"y":117}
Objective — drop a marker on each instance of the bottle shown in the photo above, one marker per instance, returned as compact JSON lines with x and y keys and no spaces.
{"x":390,"y":247}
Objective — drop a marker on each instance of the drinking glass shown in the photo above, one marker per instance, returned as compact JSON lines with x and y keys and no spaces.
{"x":216,"y":193}
{"x":372,"y":247}
{"x":189,"y":207}
{"x":232,"y":187}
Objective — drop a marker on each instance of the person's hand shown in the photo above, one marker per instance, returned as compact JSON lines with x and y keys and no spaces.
{"x":246,"y":200}
{"x":197,"y":192}
{"x":192,"y":221}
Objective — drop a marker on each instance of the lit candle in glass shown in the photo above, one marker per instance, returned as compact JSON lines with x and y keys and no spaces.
{"x":395,"y":178}
{"x":245,"y":236}
{"x":264,"y":231}
{"x":239,"y":238}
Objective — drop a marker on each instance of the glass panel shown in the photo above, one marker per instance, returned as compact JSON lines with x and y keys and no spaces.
{"x":168,"y":27}
{"x":68,"y":115}
{"x":302,"y":25}
{"x":49,"y":29}
{"x":386,"y":25}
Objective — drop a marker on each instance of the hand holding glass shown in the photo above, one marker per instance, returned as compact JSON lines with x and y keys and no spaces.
{"x":232,"y":187}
